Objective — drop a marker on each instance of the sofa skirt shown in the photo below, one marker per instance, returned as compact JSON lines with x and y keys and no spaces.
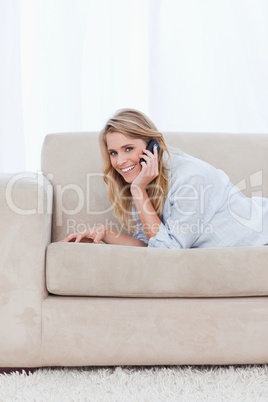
{"x":98,"y":331}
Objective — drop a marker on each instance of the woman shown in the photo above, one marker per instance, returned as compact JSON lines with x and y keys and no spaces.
{"x":170,"y":199}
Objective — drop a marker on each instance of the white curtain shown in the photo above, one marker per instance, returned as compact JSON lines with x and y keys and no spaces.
{"x":68,"y":65}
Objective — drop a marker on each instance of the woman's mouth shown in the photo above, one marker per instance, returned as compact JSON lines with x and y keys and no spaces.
{"x":128,"y":170}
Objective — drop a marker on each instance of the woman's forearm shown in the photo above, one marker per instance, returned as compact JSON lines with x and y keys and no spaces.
{"x":113,"y":237}
{"x":148,"y":217}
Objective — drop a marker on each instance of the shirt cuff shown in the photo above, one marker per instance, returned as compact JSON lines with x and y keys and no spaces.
{"x":140,"y":237}
{"x":162,"y":239}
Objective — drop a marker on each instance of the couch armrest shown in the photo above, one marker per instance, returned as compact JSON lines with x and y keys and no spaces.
{"x":25,"y":216}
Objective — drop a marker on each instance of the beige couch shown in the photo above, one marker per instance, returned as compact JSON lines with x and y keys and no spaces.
{"x":66,"y":304}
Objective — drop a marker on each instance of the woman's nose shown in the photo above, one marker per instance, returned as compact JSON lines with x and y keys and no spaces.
{"x":121,"y":159}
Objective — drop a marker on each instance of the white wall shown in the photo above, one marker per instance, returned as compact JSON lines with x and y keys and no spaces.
{"x":191,"y":65}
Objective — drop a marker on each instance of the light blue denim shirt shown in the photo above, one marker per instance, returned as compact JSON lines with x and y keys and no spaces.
{"x":204,"y":209}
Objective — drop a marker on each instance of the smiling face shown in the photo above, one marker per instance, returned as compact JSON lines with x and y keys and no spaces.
{"x":125,"y":154}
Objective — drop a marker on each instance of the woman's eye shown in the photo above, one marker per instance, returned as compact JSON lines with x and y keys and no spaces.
{"x":128,"y":149}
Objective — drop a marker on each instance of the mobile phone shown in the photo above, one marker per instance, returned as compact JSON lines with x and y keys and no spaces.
{"x":150,"y":148}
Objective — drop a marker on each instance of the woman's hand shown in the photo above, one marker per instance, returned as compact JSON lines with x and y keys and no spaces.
{"x":149,"y":169}
{"x":94,"y":235}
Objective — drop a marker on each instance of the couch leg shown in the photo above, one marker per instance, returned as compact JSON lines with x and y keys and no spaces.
{"x":10,"y":370}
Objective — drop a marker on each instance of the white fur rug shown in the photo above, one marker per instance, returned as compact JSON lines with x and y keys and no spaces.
{"x":158,"y":383}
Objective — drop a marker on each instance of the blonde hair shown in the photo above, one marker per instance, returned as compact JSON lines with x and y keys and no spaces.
{"x":133,"y":124}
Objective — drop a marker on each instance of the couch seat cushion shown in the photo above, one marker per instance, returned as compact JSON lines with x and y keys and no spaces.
{"x":75,"y":269}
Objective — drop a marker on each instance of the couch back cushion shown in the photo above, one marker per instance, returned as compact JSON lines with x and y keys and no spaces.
{"x":72,"y":162}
